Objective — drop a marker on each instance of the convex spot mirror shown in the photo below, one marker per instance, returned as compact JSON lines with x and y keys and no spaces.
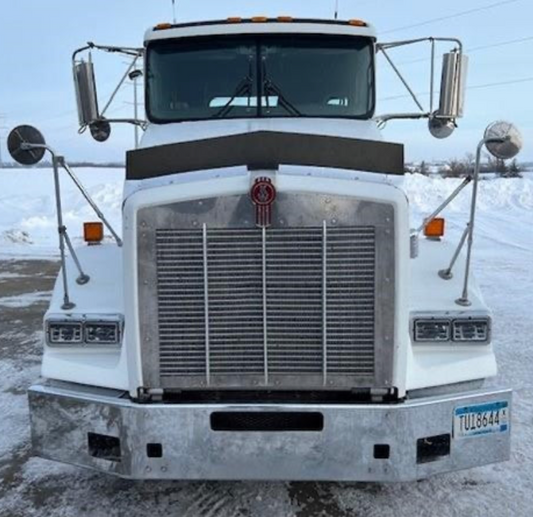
{"x":441,"y":128}
{"x":100,"y":130}
{"x":20,"y":144}
{"x":503,"y":140}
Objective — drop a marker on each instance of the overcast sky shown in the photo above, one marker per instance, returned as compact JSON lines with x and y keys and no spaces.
{"x":37,"y":38}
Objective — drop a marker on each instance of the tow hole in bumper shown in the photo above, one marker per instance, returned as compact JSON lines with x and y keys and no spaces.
{"x":433,"y":448}
{"x":104,"y":447}
{"x":267,"y":422}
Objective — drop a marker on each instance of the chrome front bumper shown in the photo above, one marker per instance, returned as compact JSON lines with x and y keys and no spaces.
{"x":104,"y":430}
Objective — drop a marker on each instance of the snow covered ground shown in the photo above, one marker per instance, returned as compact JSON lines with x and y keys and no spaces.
{"x":28,"y":225}
{"x":34,"y":487}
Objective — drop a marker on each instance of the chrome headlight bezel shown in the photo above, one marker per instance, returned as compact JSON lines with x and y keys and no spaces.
{"x":84,"y":324}
{"x":451,"y":334}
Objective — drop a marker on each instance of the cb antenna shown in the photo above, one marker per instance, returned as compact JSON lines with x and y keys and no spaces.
{"x":336,"y":9}
{"x":174,"y":11}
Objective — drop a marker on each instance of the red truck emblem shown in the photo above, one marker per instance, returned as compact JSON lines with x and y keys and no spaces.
{"x":263,"y":195}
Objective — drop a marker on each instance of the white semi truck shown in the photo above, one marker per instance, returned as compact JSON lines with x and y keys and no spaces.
{"x":270,"y":311}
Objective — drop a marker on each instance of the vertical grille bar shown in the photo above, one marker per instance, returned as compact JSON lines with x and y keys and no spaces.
{"x":265,"y":307}
{"x":325,"y":302}
{"x":206,"y":305}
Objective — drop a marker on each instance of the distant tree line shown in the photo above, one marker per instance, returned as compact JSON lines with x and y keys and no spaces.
{"x":461,"y":167}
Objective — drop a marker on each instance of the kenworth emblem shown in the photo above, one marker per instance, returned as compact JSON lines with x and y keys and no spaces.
{"x":263,"y":196}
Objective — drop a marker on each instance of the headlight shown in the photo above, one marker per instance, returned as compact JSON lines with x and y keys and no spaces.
{"x":92,"y":331}
{"x":474,"y":330}
{"x":63,"y":333}
{"x":102,"y":333}
{"x":432,"y":330}
{"x":451,"y":329}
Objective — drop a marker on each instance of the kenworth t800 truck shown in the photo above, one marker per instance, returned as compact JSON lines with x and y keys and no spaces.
{"x":270,"y":311}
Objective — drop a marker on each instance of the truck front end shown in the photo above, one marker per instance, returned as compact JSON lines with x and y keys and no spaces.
{"x":268,"y":317}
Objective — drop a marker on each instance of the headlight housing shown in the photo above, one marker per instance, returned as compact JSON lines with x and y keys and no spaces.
{"x":91,"y":331}
{"x":451,"y":329}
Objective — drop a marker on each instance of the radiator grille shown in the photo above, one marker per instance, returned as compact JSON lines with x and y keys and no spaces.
{"x":252,"y":302}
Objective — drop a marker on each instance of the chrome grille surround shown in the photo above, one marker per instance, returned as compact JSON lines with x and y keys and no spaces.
{"x":231,"y":306}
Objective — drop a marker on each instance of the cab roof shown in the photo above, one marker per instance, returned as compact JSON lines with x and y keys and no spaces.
{"x":260,"y":25}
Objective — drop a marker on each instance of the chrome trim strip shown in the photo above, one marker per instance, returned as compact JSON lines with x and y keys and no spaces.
{"x":325,"y":302}
{"x":206,"y":302}
{"x":265,"y":307}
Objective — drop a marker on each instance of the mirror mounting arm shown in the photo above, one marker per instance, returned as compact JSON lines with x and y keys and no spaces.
{"x":442,"y":121}
{"x":464,"y":300}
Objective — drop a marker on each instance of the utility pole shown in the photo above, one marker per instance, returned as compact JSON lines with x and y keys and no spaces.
{"x":134,"y":76}
{"x":135,"y":105}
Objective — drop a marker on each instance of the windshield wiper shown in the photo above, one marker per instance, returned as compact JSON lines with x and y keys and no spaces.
{"x":270,"y":86}
{"x":243,"y":88}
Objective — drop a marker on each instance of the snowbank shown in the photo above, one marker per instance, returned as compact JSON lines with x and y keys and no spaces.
{"x":28,"y":224}
{"x":27,"y":206}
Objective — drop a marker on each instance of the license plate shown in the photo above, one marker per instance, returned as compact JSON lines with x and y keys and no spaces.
{"x":481,"y":419}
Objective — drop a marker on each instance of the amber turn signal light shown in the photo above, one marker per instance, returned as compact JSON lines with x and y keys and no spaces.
{"x":435,"y":229}
{"x":93,"y":233}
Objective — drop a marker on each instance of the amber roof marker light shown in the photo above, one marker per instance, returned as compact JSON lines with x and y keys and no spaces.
{"x":357,"y":23}
{"x":163,"y":26}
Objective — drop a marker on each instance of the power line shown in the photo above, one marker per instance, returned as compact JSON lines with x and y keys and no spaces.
{"x":452,"y":16}
{"x":474,"y":49}
{"x":476,"y":87}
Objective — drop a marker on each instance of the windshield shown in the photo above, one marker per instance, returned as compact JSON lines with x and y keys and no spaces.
{"x":263,"y":76}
